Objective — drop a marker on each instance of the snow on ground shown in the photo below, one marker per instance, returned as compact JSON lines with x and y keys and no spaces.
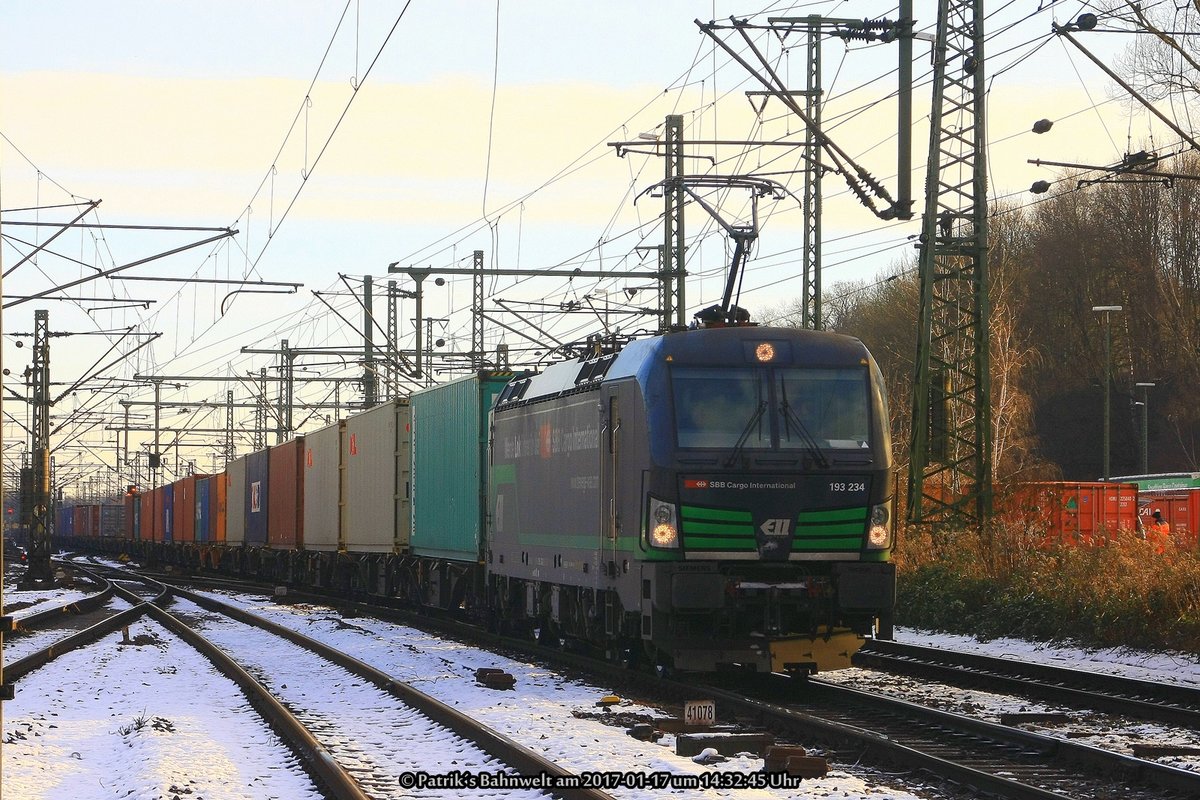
{"x":143,"y":721}
{"x":553,"y":715}
{"x":155,"y":721}
{"x":1182,"y":668}
{"x":82,"y":723}
{"x":1106,"y":731}
{"x":371,"y":733}
{"x":23,"y":602}
{"x":20,"y":645}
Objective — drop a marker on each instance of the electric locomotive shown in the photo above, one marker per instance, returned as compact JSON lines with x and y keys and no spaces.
{"x":707,"y":499}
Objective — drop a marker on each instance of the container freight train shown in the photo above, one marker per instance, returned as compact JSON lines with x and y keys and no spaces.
{"x":699,"y":500}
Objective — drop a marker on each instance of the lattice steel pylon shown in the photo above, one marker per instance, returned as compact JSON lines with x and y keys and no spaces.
{"x":811,"y":206}
{"x":478,"y":356}
{"x":40,"y":547}
{"x":950,"y":480}
{"x":673,"y":300}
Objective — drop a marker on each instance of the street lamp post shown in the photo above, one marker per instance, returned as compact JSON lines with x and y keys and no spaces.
{"x":1107,"y":311}
{"x":1145,"y":386}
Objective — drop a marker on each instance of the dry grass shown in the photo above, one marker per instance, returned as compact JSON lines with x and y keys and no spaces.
{"x":1005,"y":581}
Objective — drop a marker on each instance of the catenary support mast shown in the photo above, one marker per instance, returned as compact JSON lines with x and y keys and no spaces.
{"x":39,"y":495}
{"x":950,"y":466}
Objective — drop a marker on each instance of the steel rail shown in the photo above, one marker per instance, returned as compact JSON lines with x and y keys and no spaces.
{"x":83,"y":605}
{"x":879,"y":746}
{"x":982,"y":756}
{"x":1087,"y":760}
{"x":74,"y":641}
{"x":867,"y":744}
{"x":492,"y":742}
{"x":321,"y":764}
{"x":1161,"y":702}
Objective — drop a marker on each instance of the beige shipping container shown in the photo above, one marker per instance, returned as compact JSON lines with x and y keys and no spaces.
{"x":323,"y":473}
{"x":235,"y":502}
{"x":376,"y":452}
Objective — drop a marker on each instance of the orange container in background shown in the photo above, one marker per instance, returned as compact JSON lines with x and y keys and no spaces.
{"x":217,"y":492}
{"x":285,"y":499}
{"x":1074,"y":513}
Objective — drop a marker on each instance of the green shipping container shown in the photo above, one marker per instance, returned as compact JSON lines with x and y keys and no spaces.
{"x":449,"y":452}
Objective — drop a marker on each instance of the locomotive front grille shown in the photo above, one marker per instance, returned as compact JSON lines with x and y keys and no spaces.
{"x":840,"y":529}
{"x":718,"y":530}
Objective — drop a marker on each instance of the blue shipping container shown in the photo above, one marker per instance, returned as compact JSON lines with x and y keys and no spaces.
{"x":257,"y":487}
{"x":203,"y":501}
{"x":64,"y":525}
{"x":168,"y":512}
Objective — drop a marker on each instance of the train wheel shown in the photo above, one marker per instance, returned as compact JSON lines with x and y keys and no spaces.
{"x":546,"y":636}
{"x":629,"y":654}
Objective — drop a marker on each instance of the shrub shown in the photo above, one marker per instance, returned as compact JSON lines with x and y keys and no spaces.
{"x":1004,"y":581}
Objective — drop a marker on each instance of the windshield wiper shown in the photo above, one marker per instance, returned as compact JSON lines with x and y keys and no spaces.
{"x":741,"y":442}
{"x":790,"y":418}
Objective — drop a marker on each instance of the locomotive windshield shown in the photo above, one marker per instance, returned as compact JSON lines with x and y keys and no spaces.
{"x":805,"y":408}
{"x":714,"y":407}
{"x":830,"y":404}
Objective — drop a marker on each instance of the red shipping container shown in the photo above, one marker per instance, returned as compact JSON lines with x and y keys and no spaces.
{"x":285,"y":499}
{"x":184,"y":511}
{"x":80,"y":519}
{"x":156,"y":518}
{"x":132,"y":508}
{"x":1179,"y":507}
{"x":217,"y":491}
{"x":1076,"y":513}
{"x":94,"y":521}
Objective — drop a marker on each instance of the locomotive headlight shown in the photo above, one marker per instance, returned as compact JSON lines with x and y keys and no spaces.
{"x":879,"y":535}
{"x":663,"y":530}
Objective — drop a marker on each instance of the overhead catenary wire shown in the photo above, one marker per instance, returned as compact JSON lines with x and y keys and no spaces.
{"x":305,"y":320}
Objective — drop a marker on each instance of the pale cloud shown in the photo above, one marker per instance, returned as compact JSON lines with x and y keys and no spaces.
{"x":196,"y":149}
{"x":200,"y":147}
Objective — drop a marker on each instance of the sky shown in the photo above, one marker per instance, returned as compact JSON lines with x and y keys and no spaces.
{"x":338,"y":138}
{"x":77,"y":709}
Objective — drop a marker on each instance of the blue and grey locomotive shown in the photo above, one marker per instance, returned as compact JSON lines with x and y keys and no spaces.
{"x":707,"y":498}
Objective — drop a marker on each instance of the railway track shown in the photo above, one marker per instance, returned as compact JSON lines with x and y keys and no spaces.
{"x":1160,"y":702}
{"x":88,"y":618}
{"x":353,"y":752}
{"x":994,"y":758}
{"x":858,"y":727}
{"x":56,"y":613}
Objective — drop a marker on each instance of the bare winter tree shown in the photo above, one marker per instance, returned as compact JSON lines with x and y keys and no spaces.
{"x":1164,"y":60}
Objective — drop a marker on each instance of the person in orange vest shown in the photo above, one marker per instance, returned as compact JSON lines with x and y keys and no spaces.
{"x":1160,"y":531}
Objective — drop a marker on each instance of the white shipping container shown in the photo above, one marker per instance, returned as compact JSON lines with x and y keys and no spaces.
{"x":235,"y":502}
{"x":376,"y":452}
{"x":322,"y":487}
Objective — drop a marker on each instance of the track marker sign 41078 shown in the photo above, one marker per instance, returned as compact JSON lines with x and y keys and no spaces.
{"x":700,"y":712}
